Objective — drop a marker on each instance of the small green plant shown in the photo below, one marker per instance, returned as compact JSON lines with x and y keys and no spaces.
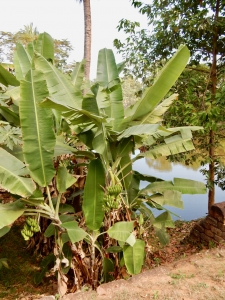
{"x":212,"y":244}
{"x":157,"y":260}
{"x":3,"y":263}
{"x":181,"y":276}
{"x":155,"y":295}
{"x":202,"y":285}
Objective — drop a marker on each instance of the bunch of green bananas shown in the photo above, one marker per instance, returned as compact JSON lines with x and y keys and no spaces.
{"x":114,"y":190}
{"x":29,"y":228}
{"x":111,"y":202}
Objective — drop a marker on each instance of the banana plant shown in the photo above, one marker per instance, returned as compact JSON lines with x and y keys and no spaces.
{"x":113,"y":204}
{"x":113,"y":134}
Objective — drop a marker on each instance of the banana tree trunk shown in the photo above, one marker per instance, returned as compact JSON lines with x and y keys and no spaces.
{"x":87,"y":38}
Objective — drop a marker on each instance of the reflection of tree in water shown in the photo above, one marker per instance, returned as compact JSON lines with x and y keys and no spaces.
{"x":160,"y":164}
{"x":163,"y":164}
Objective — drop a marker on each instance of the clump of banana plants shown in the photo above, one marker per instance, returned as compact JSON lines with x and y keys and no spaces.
{"x":106,"y":235}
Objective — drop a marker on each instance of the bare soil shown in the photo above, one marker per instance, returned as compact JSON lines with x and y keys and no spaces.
{"x":197,"y":277}
{"x":181,"y":270}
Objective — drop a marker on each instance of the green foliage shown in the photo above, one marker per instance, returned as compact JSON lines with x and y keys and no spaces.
{"x":3,"y":263}
{"x":199,"y":25}
{"x":29,"y":34}
{"x":172,"y":23}
{"x":10,"y":136}
{"x":108,"y":231}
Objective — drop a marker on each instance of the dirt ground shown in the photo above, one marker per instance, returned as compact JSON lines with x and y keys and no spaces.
{"x":179,"y":271}
{"x":196,"y":277}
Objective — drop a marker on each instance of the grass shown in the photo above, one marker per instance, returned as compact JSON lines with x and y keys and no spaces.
{"x":17,"y":281}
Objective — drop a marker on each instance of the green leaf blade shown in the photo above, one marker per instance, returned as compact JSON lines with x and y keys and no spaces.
{"x":134,"y":257}
{"x":37,"y":128}
{"x":94,"y":194}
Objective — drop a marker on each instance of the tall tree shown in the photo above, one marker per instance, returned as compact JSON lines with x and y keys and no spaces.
{"x":29,"y":34}
{"x":87,"y":37}
{"x":198,"y":24}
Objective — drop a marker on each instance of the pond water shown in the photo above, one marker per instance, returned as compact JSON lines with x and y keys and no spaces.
{"x":195,"y":206}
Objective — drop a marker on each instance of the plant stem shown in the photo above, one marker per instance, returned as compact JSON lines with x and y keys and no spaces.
{"x":50,"y":199}
{"x":57,"y":206}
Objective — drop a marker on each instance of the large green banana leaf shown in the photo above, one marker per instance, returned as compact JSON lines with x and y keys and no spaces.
{"x":64,"y":179}
{"x":60,"y":88}
{"x":121,"y":231}
{"x":9,"y":212}
{"x":165,"y":80}
{"x":22,"y":62}
{"x":75,"y":233}
{"x":71,"y":113}
{"x":100,"y":143}
{"x":12,"y":172}
{"x":185,"y":186}
{"x":94,"y":194}
{"x":134,"y":257}
{"x":7,"y":78}
{"x":139,"y":130}
{"x":77,"y":77}
{"x":14,"y":94}
{"x":37,"y":128}
{"x":156,"y":115}
{"x":171,"y":198}
{"x":9,"y":115}
{"x":107,"y":73}
{"x":175,"y":147}
{"x":125,"y":166}
{"x":45,"y":46}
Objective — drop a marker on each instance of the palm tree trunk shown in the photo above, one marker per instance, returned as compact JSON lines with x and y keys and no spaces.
{"x":87,"y":38}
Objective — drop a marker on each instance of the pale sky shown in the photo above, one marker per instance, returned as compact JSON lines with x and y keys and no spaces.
{"x":63,"y":19}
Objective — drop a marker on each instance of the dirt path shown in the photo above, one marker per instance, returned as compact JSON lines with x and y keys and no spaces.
{"x":200,"y":276}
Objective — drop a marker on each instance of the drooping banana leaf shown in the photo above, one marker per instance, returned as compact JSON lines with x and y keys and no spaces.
{"x":37,"y":128}
{"x":71,"y":112}
{"x":22,"y":62}
{"x":163,"y":220}
{"x":156,"y":115}
{"x":121,"y":231}
{"x":60,"y":88}
{"x":185,"y":186}
{"x":107,"y":73}
{"x":9,"y":212}
{"x":4,"y":230}
{"x":75,"y":233}
{"x":7,"y":78}
{"x":178,"y":146}
{"x":12,"y":172}
{"x":139,"y":130}
{"x":171,"y":198}
{"x":154,"y":94}
{"x":9,"y":115}
{"x":94,"y":194}
{"x":62,"y":148}
{"x":64,"y":179}
{"x":14,"y":94}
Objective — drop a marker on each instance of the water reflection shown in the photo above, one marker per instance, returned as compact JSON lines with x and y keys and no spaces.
{"x":164,"y":165}
{"x":195,"y":206}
